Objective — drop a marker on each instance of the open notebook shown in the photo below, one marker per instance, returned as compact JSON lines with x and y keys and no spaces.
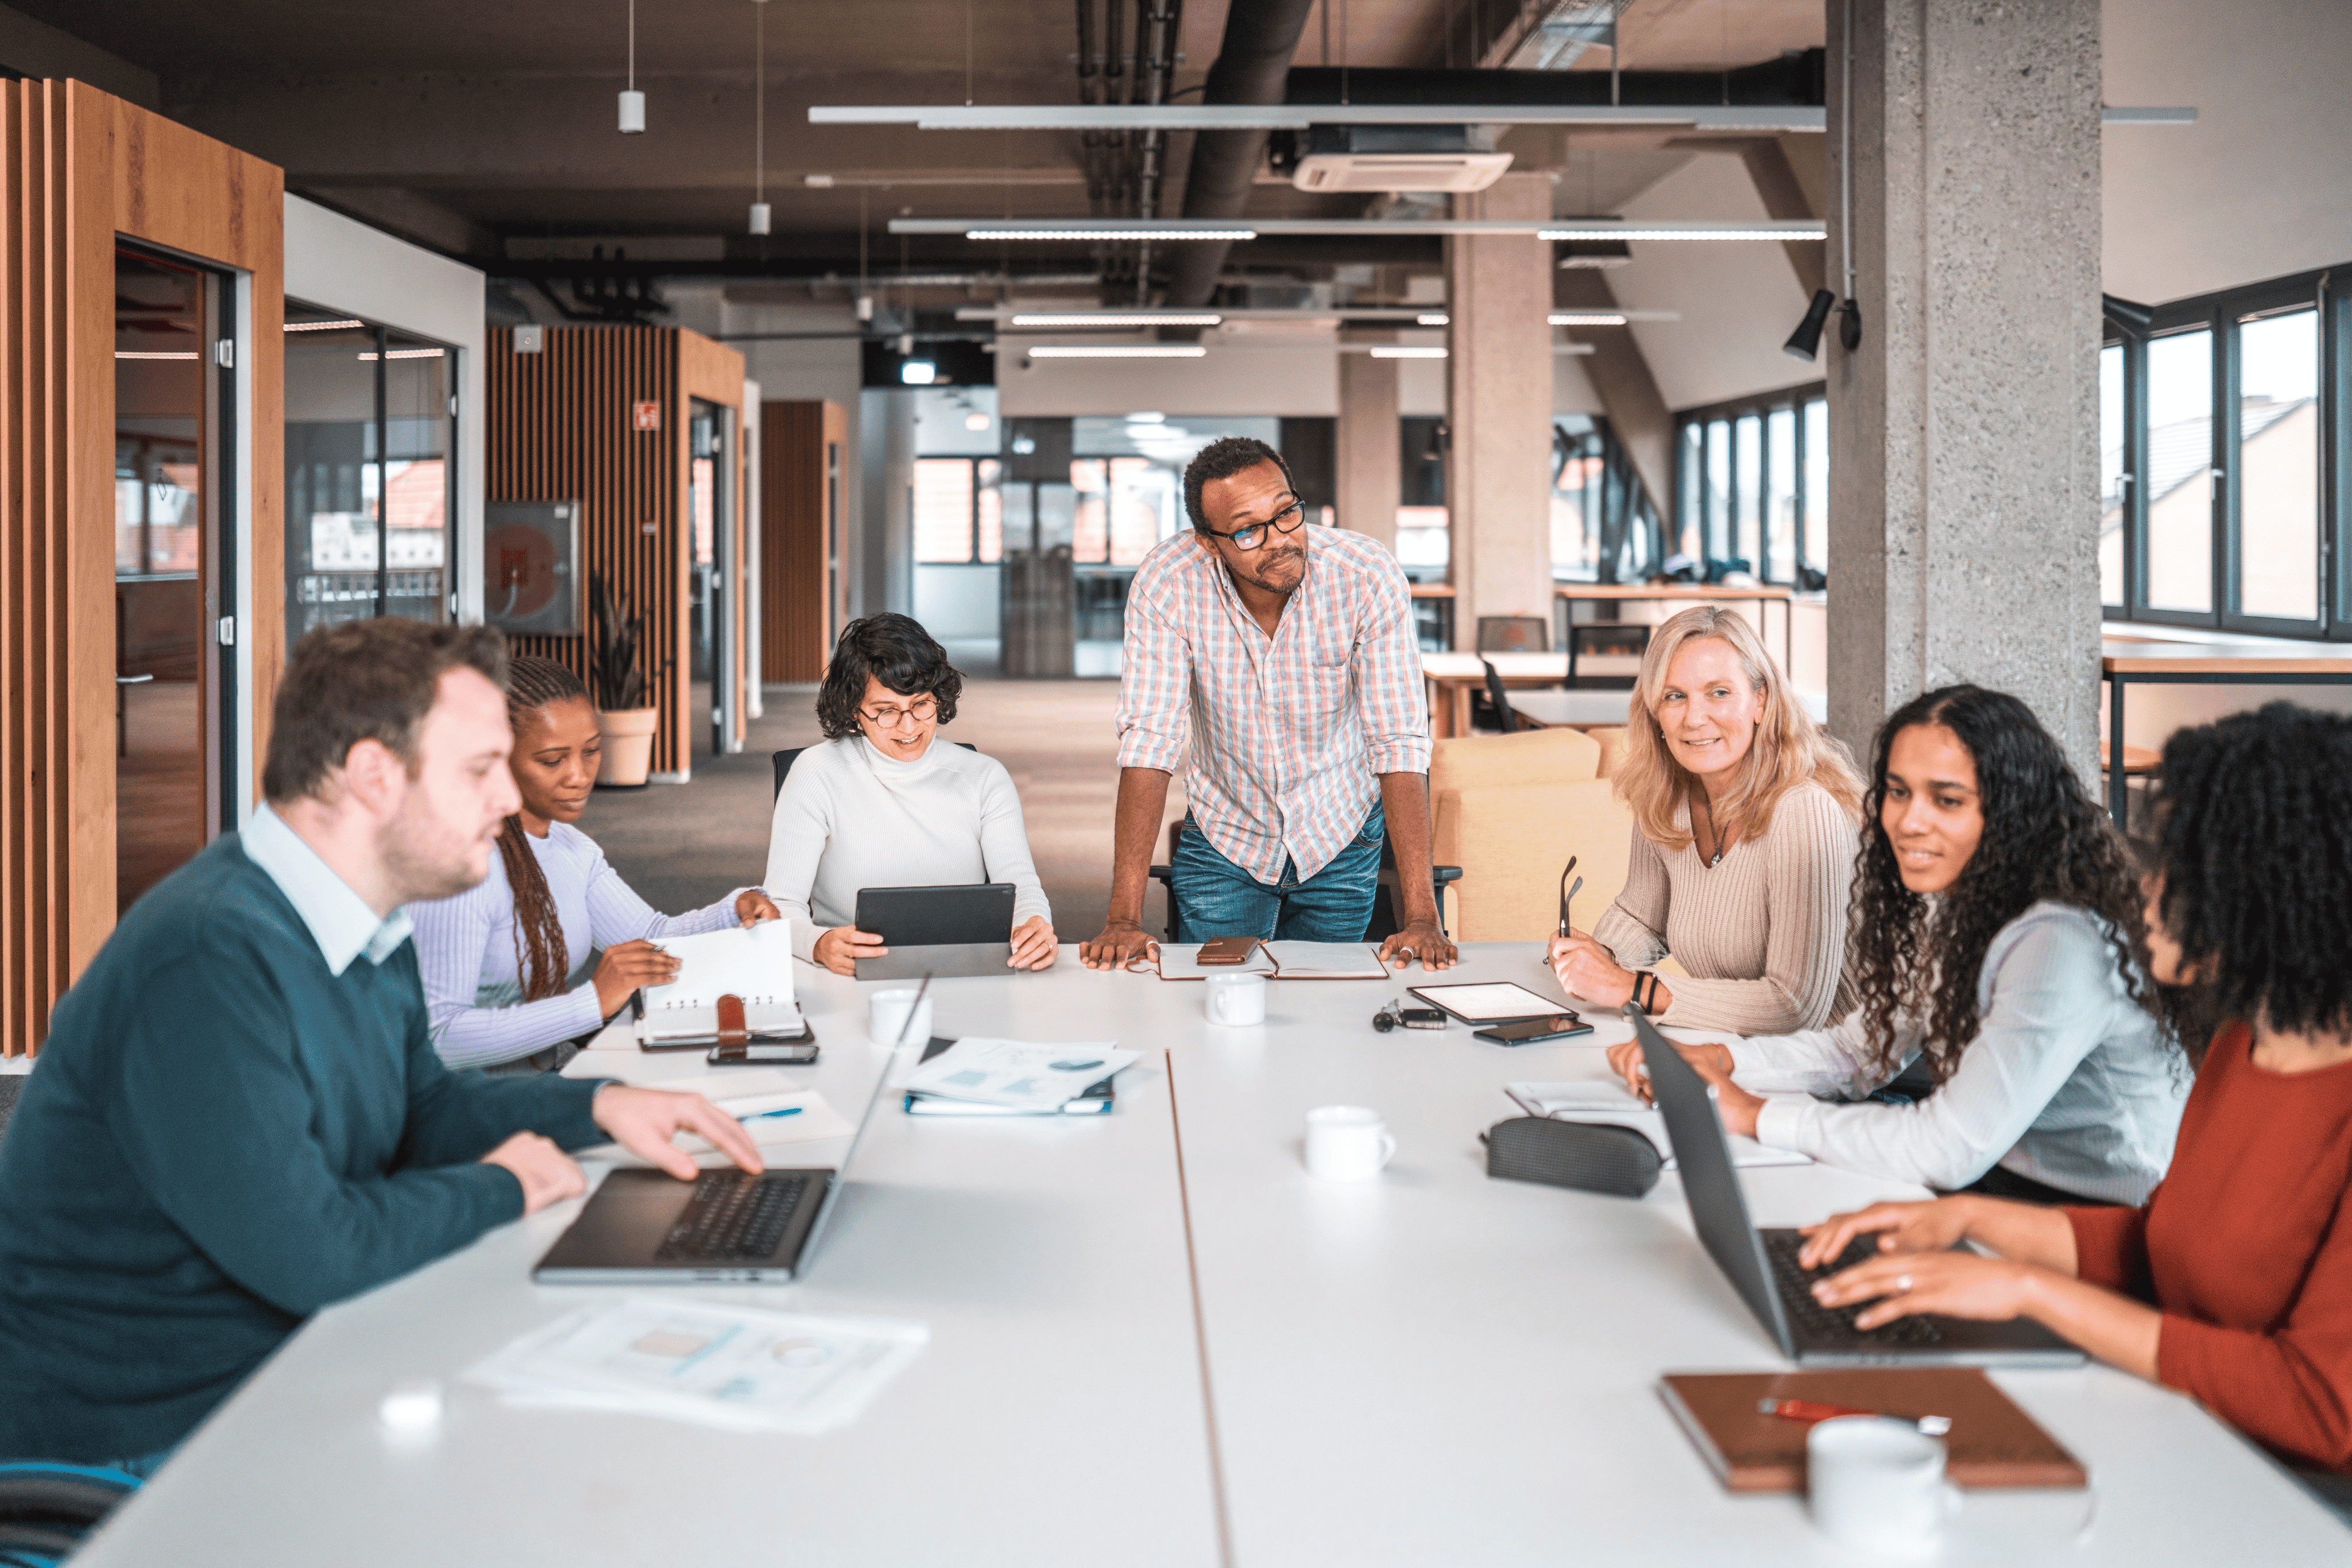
{"x":1276,"y":960}
{"x":754,"y":966}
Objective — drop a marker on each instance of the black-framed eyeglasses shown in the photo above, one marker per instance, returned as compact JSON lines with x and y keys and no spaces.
{"x":1284,"y":521}
{"x":922,"y":710}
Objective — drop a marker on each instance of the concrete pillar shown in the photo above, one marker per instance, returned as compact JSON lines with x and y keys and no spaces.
{"x":1498,"y":410}
{"x":1963,"y":432}
{"x":1370,"y":470}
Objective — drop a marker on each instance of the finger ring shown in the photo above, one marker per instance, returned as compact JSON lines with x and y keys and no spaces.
{"x":1903,"y":1284}
{"x":1407,"y":952}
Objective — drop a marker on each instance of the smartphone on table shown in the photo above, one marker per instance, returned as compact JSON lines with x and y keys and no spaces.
{"x":1528,"y":1031}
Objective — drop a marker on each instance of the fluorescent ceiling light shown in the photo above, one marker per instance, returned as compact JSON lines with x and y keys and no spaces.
{"x":410,"y":354}
{"x":1147,"y":417}
{"x":1585,"y":319}
{"x":1110,"y":351}
{"x":323,"y":325}
{"x":1299,"y":116}
{"x":1119,"y":319}
{"x":1754,"y":120}
{"x":917,"y":373}
{"x":1207,"y":229}
{"x":1431,"y":318}
{"x":1800,"y":229}
{"x":137,"y":354}
{"x":1134,"y":230}
{"x":1405,"y":351}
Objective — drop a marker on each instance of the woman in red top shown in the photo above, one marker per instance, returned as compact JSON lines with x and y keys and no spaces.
{"x":2233,"y":1283}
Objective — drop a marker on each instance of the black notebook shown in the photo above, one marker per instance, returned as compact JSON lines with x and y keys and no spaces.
{"x":1095,"y":1101}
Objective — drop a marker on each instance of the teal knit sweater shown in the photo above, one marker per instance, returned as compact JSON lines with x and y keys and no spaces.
{"x":221,"y":1138}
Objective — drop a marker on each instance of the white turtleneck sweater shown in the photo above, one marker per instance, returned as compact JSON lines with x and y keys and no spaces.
{"x":850,"y":818}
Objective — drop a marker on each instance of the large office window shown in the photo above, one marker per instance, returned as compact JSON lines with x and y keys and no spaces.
{"x":2220,"y":442}
{"x":958,"y":510}
{"x":1754,"y":480}
{"x":368,"y":432}
{"x":1603,"y":526}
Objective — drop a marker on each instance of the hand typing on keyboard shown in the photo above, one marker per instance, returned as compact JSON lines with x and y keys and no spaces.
{"x":643,"y":1121}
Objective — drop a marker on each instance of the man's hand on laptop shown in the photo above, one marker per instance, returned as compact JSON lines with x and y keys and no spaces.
{"x":1121,"y":943}
{"x":643,"y":1121}
{"x":1033,"y":945}
{"x":548,"y":1175}
{"x":1419,"y":940}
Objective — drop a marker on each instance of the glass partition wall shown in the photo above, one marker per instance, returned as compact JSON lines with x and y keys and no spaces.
{"x":173,"y":565}
{"x":369,"y":484}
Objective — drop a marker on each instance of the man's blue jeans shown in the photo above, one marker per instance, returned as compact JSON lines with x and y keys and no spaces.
{"x":1215,"y":897}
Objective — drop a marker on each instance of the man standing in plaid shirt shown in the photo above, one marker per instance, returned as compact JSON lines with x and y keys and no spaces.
{"x":1287,"y":653}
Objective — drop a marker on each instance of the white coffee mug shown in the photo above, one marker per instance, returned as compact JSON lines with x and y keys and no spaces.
{"x":1346,"y":1143}
{"x":885,"y":1018}
{"x":1235,"y":999}
{"x":1878,"y":1484}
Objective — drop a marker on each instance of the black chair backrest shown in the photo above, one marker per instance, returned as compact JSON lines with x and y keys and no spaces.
{"x":784,"y":760}
{"x":1509,"y":720}
{"x":1615,"y":638}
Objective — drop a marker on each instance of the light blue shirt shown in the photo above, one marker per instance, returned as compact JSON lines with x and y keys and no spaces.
{"x":340,"y":920}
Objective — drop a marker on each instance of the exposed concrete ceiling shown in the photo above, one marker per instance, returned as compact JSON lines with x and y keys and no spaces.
{"x":486,"y":127}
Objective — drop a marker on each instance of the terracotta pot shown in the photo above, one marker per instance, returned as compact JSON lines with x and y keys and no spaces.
{"x":629,"y":744}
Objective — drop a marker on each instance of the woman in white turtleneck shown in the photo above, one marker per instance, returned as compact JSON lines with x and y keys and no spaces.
{"x":883,"y":802}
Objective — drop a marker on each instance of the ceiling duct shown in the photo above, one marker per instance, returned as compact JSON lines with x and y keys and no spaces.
{"x":1253,"y":63}
{"x":1794,"y":79}
{"x":1373,"y":158}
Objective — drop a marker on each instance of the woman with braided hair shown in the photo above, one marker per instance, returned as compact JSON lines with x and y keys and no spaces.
{"x":553,"y":941}
{"x":1999,"y":952}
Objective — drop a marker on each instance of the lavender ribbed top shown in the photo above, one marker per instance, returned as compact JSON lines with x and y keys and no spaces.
{"x":465,"y":950}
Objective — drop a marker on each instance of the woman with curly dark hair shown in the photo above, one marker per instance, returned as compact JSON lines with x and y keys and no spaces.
{"x":1997,"y":949}
{"x":2233,"y":1283}
{"x":884,"y":803}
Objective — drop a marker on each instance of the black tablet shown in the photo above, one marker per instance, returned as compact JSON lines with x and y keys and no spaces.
{"x":938,"y":916}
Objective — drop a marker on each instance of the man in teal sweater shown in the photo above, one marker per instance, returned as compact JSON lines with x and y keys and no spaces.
{"x":238,"y":1117}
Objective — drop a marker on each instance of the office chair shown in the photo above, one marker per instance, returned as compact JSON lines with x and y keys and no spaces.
{"x":1383,"y":923}
{"x":1506,"y":634}
{"x":1609,"y":638}
{"x":1497,"y":705}
{"x":782,"y":760}
{"x":47,"y":1508}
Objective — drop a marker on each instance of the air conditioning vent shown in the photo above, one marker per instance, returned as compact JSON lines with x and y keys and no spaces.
{"x":1399,"y":171}
{"x":1333,"y":159}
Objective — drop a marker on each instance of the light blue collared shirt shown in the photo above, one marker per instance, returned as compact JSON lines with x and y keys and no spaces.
{"x":340,"y":920}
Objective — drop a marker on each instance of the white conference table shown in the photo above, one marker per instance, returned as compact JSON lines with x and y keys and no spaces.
{"x":1431,"y":1367}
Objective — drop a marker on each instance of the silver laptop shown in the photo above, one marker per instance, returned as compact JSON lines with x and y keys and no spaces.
{"x":646,"y":1226}
{"x":963,"y":928}
{"x":1762,"y":1264}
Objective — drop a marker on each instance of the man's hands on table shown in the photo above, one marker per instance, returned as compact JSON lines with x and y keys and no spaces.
{"x":1420,"y":938}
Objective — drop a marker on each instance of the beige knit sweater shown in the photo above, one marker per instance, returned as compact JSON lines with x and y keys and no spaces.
{"x":1762,"y":934}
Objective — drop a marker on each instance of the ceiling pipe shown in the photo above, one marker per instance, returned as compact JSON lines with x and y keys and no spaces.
{"x":1252,"y":66}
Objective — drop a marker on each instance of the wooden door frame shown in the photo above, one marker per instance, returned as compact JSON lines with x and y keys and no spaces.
{"x":83,"y":170}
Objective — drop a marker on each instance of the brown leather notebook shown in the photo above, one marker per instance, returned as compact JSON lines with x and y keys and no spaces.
{"x":1992,"y":1443}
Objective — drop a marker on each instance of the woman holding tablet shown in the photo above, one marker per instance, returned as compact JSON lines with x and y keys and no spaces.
{"x":883,"y":802}
{"x":1998,"y":944}
{"x":501,"y":983}
{"x":1744,"y":815}
{"x":2233,"y":1281}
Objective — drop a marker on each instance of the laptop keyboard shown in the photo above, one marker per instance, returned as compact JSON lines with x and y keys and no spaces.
{"x":1815,"y":1321}
{"x":734,"y":1216}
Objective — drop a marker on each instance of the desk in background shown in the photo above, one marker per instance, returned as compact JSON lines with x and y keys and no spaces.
{"x":2157,"y":661}
{"x":1430,"y":1367}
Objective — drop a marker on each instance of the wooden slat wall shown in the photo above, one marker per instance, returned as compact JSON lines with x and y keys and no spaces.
{"x":796,"y":629}
{"x":559,"y":430}
{"x":80,"y":168}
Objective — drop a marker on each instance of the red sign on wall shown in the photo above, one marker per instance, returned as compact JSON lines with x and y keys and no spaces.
{"x":645,"y":416}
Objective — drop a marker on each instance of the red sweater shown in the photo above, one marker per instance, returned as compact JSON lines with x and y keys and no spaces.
{"x":2246,"y":1247}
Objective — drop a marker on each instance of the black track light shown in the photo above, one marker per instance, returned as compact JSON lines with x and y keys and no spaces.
{"x":1850,"y":326}
{"x":2128,"y":316}
{"x":1805,"y":343}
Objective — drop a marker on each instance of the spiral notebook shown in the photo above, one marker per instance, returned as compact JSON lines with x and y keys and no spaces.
{"x":754,"y":964}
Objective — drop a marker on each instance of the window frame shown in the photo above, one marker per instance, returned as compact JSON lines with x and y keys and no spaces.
{"x":2225,"y":314}
{"x":1695,"y":471}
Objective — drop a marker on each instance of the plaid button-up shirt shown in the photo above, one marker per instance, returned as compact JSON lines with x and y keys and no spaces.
{"x":1290,"y":728}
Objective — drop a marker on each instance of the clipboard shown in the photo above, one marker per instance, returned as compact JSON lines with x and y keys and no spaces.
{"x":1490,"y":1005}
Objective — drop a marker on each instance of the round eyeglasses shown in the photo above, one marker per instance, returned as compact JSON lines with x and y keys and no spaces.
{"x":1249,"y":539}
{"x":922,"y":710}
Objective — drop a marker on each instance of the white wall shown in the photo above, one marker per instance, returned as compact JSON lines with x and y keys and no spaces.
{"x":344,"y":265}
{"x":2261,"y":186}
{"x":1739,"y":300}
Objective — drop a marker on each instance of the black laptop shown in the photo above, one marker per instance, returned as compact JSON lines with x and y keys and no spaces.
{"x":963,"y":929}
{"x":728,"y":1226}
{"x":1762,"y":1264}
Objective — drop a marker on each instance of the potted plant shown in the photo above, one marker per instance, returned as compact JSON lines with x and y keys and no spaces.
{"x":626,"y":714}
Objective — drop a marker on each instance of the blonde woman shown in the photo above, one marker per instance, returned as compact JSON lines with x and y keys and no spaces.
{"x":1745,"y":830}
